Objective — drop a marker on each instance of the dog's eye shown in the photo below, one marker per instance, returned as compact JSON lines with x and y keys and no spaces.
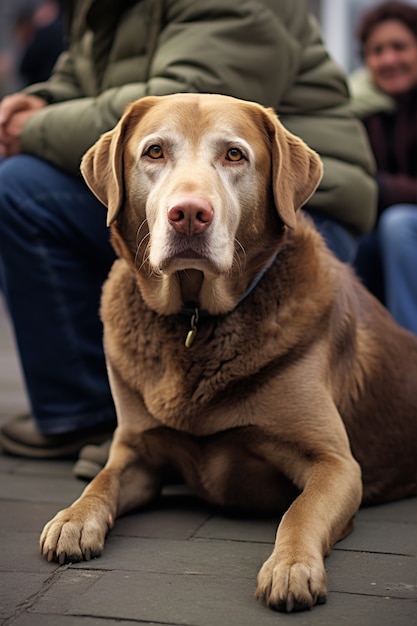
{"x":154,"y":152}
{"x":234,"y":154}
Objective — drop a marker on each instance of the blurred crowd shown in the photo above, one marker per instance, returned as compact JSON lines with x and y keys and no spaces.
{"x":31,"y":38}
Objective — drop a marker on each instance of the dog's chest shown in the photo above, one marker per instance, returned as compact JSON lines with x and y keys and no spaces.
{"x":214,"y":379}
{"x":181,"y":385}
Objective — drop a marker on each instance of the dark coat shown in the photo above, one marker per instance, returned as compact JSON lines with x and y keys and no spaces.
{"x":392,"y":130}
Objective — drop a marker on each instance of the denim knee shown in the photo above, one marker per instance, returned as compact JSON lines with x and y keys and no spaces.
{"x":19,"y":183}
{"x":398,"y":224}
{"x":10,"y":171}
{"x":14,"y":172}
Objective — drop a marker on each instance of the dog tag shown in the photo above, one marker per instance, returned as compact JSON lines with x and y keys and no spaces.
{"x":193,"y":330}
{"x":190,"y":337}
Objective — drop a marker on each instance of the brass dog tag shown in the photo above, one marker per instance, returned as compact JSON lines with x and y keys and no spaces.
{"x":190,"y":337}
{"x":189,"y":340}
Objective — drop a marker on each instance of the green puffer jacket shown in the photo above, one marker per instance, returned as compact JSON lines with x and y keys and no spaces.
{"x":268,"y":51}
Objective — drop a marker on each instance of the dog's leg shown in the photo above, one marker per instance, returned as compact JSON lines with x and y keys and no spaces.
{"x":128,"y":481}
{"x":294,"y":577}
{"x":79,"y":532}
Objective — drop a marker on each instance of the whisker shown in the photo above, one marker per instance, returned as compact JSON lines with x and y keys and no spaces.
{"x":240,"y":262}
{"x":144,"y":261}
{"x":141,"y":257}
{"x":139,"y":229}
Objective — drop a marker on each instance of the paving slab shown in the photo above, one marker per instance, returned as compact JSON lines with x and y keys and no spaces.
{"x":21,"y":516}
{"x":40,"y":619}
{"x":53,"y":468}
{"x":195,"y":599}
{"x":383,"y":575}
{"x":172,"y":524}
{"x":63,"y":491}
{"x":17,"y":589}
{"x":390,"y":538}
{"x":196,"y":557}
{"x":240,"y":529}
{"x":9,"y":464}
{"x":201,"y":600}
{"x":20,"y":553}
{"x":400,"y":511}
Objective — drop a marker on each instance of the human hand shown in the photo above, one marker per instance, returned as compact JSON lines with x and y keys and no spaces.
{"x":15,"y":110}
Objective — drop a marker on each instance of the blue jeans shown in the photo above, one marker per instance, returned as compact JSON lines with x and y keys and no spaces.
{"x":54,"y":256}
{"x":368,"y":264}
{"x":338,"y":238}
{"x":397,"y":238}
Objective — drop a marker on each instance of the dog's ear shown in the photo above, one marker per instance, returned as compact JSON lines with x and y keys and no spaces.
{"x":296,"y":170}
{"x":102,"y":164}
{"x":102,"y":169}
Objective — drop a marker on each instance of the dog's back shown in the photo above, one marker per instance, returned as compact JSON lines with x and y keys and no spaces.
{"x":373,"y":373}
{"x":379,"y":407}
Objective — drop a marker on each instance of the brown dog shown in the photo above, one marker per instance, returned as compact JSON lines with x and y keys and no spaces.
{"x":240,"y":351}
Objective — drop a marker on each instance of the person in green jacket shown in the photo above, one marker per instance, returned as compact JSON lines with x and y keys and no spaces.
{"x":54,"y":246}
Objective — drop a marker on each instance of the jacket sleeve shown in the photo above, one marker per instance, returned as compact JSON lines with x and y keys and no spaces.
{"x":215,"y":46}
{"x":62,"y":85}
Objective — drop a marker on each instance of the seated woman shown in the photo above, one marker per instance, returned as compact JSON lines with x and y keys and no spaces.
{"x":384,"y":95}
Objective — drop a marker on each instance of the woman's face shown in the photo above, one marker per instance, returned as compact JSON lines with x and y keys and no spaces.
{"x":391,"y":55}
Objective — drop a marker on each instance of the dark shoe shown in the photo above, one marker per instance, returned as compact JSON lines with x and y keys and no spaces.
{"x":21,"y":437}
{"x":91,"y":460}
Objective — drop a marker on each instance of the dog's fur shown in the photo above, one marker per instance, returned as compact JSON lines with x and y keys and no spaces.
{"x":298,"y":391}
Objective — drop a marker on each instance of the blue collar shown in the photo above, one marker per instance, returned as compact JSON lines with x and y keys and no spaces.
{"x":195,"y":313}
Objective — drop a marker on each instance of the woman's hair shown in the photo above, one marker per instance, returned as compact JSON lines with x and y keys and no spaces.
{"x":405,"y":13}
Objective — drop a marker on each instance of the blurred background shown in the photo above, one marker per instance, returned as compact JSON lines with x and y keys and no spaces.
{"x":338,"y":19}
{"x":31,"y":36}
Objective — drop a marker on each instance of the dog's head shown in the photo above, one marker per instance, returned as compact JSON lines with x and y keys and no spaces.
{"x":199,"y":189}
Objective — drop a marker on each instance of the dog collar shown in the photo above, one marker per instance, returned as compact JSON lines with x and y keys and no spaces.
{"x":195,"y":313}
{"x":257,"y":278}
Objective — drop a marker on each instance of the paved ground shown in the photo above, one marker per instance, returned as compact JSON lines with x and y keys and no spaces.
{"x":181,"y":562}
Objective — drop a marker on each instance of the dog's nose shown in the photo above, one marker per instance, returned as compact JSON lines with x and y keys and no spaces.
{"x":190,"y":215}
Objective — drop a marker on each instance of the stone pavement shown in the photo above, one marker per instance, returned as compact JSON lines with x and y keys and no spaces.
{"x":181,"y":562}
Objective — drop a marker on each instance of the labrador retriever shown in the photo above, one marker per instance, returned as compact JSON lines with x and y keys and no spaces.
{"x":240,"y":351}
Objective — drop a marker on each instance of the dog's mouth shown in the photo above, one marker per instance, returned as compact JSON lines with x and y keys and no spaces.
{"x":189,"y":254}
{"x":173,"y":252}
{"x":189,"y":260}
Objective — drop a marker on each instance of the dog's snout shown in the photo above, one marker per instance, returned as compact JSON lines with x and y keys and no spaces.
{"x":190,"y":215}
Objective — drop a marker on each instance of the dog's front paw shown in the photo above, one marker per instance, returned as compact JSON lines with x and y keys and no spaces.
{"x":292,"y":584}
{"x":76,"y":533}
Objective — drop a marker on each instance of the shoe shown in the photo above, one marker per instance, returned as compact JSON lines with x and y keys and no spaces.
{"x":21,"y":437}
{"x":91,"y":460}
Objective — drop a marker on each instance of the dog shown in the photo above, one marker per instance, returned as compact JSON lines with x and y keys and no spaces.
{"x":240,"y":351}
